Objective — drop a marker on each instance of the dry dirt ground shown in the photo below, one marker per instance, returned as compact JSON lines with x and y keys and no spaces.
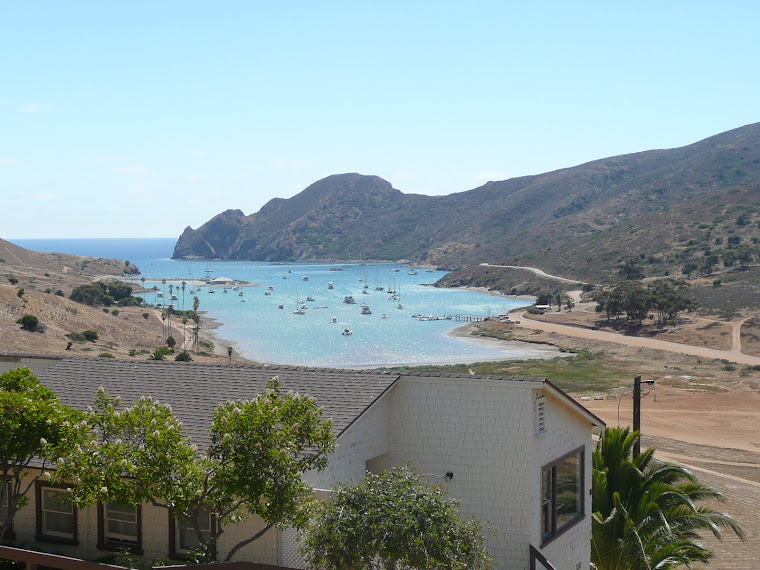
{"x":703,"y":413}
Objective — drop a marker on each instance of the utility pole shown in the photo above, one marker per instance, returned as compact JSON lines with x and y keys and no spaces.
{"x":637,"y":414}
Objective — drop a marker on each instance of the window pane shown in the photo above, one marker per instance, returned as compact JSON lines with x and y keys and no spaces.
{"x":58,"y":524}
{"x":187,"y":538}
{"x":568,"y":489}
{"x":57,"y":501}
{"x":546,"y":501}
{"x":120,"y":512}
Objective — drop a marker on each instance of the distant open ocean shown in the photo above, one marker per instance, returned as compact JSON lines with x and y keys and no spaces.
{"x":264,"y":332}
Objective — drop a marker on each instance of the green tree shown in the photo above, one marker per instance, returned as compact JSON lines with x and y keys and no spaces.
{"x":668,"y":298}
{"x":34,"y":426}
{"x":28,"y":322}
{"x":259,"y":450}
{"x":630,"y":269}
{"x":646,"y":513}
{"x":394,"y":520}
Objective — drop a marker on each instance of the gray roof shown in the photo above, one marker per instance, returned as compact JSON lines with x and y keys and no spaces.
{"x":195,"y":390}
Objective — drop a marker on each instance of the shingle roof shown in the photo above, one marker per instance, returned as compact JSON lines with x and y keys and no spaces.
{"x":195,"y":390}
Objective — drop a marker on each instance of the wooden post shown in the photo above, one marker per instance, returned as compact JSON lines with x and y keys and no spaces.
{"x":637,"y":414}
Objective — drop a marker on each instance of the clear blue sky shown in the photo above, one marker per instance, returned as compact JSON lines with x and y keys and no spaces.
{"x":139,"y":118}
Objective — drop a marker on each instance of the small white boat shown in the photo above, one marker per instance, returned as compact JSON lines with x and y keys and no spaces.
{"x":400,"y":306}
{"x":366,"y":310}
{"x":243,"y":300}
{"x":384,"y":316}
{"x":330,"y":285}
{"x":349,"y":300}
{"x":335,"y":319}
{"x":270,"y":288}
{"x":412,"y":272}
{"x":309,"y":298}
{"x":267,"y":292}
{"x":211,"y":291}
{"x":365,"y":292}
{"x":299,"y":312}
{"x":305,"y":278}
{"x":240,"y":294}
{"x":347,"y":332}
{"x":280,"y":306}
{"x":284,"y":276}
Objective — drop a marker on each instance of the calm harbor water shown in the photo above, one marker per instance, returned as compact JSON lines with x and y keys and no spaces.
{"x":264,"y":332}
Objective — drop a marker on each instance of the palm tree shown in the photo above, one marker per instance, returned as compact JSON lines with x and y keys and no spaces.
{"x":645,"y":512}
{"x":145,"y":300}
{"x":163,"y":291}
{"x":183,"y":296}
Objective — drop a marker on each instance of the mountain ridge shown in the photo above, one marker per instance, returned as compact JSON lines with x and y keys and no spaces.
{"x":352,"y":216}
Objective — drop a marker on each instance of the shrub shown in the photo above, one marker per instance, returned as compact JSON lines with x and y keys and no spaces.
{"x":160,"y":353}
{"x":76,"y":337}
{"x":48,"y":291}
{"x":131,"y":352}
{"x":145,"y":315}
{"x":68,"y":345}
{"x":183,"y":356}
{"x":171,"y":342}
{"x":105,"y":310}
{"x":729,"y":368}
{"x":28,"y":322}
{"x":20,"y":293}
{"x":106,"y":355}
{"x":115,"y":312}
{"x":717,"y":283}
{"x":59,"y":293}
{"x":90,"y":335}
{"x":12,"y":280}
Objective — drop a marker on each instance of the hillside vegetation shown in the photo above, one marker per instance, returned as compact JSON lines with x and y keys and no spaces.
{"x":660,"y":206}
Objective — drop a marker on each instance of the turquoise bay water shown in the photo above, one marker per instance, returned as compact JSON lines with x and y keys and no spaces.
{"x":264,"y":332}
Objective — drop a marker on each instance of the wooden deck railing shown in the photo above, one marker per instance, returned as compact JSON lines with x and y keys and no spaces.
{"x":536,"y":556}
{"x":32,"y":559}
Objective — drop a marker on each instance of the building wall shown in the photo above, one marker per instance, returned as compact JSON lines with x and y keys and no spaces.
{"x":155,"y":535}
{"x":365,"y":439}
{"x":483,"y":433}
{"x":566,"y":430}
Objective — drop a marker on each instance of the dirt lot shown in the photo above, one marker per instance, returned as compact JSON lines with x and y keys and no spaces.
{"x":717,"y":436}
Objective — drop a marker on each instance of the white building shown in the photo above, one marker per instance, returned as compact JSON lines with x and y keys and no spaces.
{"x":500,"y":445}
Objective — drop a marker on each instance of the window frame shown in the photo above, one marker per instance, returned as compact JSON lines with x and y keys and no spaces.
{"x":175,"y":552}
{"x":105,"y":544}
{"x":41,"y":535}
{"x":551,"y":470}
{"x":5,"y":510}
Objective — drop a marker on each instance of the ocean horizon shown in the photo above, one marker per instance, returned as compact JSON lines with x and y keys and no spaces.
{"x":263,"y":327}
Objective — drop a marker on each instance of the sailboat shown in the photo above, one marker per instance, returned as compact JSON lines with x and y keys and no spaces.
{"x":299,"y":310}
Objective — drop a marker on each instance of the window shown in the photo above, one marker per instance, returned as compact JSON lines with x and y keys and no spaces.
{"x":5,"y":509}
{"x":182,"y":537}
{"x":561,"y":494}
{"x":119,"y":527}
{"x":56,"y":514}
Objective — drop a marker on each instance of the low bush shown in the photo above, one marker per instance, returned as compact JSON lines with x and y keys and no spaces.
{"x":90,"y":335}
{"x":106,"y":355}
{"x":28,"y":323}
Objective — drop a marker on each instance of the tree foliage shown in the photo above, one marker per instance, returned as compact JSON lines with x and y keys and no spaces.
{"x":102,"y":293}
{"x":646,"y":513}
{"x":35,"y":430}
{"x":668,"y":297}
{"x":259,"y":450}
{"x":394,"y":520}
{"x":28,"y":322}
